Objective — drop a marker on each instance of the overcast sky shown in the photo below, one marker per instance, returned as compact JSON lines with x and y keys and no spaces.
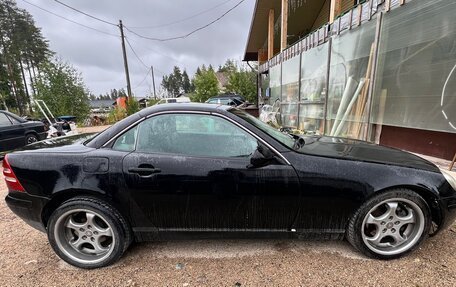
{"x":99,"y":56}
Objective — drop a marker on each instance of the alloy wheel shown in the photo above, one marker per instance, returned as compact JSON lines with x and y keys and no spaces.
{"x":84,"y":236}
{"x":393,"y":226}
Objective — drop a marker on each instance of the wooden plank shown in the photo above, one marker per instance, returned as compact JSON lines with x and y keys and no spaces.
{"x":387,"y":5}
{"x":452,"y":162}
{"x":284,"y":26}
{"x":334,"y":10}
{"x":271,"y":34}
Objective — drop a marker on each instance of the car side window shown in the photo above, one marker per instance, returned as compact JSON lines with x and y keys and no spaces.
{"x":14,"y":121}
{"x":4,"y":121}
{"x":194,"y":135}
{"x":127,"y":141}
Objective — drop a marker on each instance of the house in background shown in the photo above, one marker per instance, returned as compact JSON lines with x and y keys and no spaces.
{"x":101,"y":106}
{"x":380,"y":70}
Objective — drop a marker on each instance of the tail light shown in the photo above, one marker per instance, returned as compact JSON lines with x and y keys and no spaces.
{"x":11,"y":180}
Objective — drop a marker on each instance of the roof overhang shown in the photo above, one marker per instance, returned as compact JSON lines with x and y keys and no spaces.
{"x":300,"y":22}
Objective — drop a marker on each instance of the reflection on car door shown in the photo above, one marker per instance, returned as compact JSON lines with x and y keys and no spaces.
{"x":191,"y":172}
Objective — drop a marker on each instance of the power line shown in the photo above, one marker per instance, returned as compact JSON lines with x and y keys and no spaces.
{"x":190,"y":33}
{"x":176,"y":61}
{"x":136,"y":55}
{"x":182,"y":20}
{"x":142,"y":81}
{"x":86,"y":14}
{"x":69,"y":20}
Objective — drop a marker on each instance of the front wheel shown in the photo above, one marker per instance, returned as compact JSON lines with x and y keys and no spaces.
{"x":390,"y":224}
{"x":88,"y":233}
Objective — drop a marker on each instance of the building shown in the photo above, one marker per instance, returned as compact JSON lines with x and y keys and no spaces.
{"x":382,"y":71}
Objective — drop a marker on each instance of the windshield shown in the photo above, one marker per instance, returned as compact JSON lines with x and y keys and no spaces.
{"x":284,"y":139}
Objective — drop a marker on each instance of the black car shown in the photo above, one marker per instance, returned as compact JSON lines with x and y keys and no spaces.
{"x":227,"y":99}
{"x":205,"y":171}
{"x":16,"y":132}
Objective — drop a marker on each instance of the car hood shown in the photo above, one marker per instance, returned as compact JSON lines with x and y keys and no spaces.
{"x":363,"y":151}
{"x":59,"y":144}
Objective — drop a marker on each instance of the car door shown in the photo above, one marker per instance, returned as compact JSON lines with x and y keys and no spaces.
{"x":192,"y":172}
{"x":11,"y":136}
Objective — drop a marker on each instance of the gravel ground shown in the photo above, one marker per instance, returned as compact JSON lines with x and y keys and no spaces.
{"x":26,"y":259}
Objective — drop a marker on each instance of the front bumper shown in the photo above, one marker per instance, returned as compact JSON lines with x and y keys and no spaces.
{"x":28,"y":208}
{"x":448,"y":211}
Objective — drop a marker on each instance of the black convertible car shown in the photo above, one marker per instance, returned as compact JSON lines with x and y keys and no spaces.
{"x":201,"y":170}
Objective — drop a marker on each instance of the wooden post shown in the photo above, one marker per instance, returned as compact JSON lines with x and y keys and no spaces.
{"x":452,"y":162}
{"x":284,"y":26}
{"x":271,"y":34}
{"x":334,"y":10}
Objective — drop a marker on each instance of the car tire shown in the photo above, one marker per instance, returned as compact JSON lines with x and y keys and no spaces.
{"x":30,"y":138}
{"x":88,"y":233}
{"x":390,"y":224}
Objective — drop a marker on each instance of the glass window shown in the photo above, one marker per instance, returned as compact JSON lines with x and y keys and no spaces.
{"x":416,"y":70}
{"x":314,"y":67}
{"x":348,"y":81}
{"x":194,"y":135}
{"x":274,"y":84}
{"x":14,"y":121}
{"x":276,"y":134}
{"x":290,"y":92}
{"x":4,"y":121}
{"x":127,"y":141}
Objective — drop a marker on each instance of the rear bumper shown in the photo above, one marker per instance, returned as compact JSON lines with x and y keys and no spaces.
{"x":28,"y":208}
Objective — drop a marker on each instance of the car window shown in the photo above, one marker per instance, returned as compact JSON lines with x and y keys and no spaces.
{"x":14,"y":121}
{"x":4,"y":121}
{"x":279,"y":136}
{"x":127,"y":141}
{"x":194,"y":135}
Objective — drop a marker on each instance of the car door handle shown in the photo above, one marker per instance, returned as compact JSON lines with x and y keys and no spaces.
{"x":144,"y":171}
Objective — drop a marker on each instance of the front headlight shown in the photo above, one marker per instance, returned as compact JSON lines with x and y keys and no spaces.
{"x":449,"y":177}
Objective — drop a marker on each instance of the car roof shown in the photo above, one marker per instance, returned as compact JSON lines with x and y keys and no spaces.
{"x":202,"y":107}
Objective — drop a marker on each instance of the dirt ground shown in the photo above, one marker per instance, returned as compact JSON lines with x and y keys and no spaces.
{"x":26,"y":259}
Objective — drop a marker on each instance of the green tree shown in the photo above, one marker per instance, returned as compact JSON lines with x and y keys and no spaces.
{"x":173,"y":83}
{"x":206,"y":85}
{"x":22,"y":50}
{"x":243,"y":83}
{"x":187,"y":85}
{"x":63,"y":90}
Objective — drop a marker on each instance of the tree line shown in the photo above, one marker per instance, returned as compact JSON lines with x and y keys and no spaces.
{"x":29,"y":69}
{"x":207,"y":82}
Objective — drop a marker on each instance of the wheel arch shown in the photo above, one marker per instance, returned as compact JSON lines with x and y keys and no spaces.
{"x":428,"y":195}
{"x":65,"y":195}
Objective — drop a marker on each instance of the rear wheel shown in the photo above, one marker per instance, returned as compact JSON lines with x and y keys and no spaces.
{"x":88,"y":233}
{"x":390,"y":224}
{"x":30,"y":138}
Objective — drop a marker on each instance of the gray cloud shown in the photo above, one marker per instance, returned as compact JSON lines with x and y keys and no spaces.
{"x":99,"y":57}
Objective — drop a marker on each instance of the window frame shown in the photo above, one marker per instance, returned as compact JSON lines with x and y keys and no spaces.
{"x":227,"y":120}
{"x":111,"y":141}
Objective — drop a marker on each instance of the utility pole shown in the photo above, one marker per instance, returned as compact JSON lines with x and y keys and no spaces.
{"x":153,"y":81}
{"x":127,"y":74}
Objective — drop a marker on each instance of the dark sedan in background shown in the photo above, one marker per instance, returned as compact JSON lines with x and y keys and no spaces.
{"x":205,"y":171}
{"x":17,"y":132}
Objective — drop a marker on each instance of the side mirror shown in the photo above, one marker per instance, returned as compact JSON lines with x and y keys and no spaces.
{"x":261,"y":157}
